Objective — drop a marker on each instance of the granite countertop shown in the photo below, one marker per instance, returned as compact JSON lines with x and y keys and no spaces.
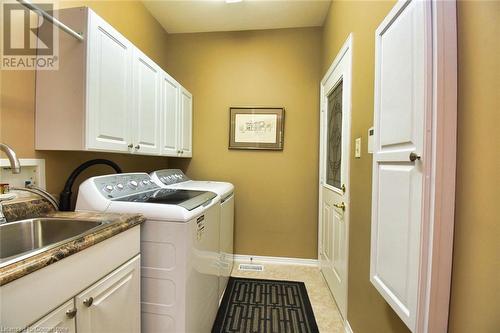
{"x":35,"y":207}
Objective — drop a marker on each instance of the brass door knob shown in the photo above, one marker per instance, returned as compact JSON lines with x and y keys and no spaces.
{"x":340,"y":205}
{"x":414,"y":157}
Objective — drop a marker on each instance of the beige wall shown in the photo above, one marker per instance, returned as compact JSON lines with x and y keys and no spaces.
{"x":17,"y":103}
{"x":476,"y":268}
{"x":475,"y":296}
{"x":276,"y":191}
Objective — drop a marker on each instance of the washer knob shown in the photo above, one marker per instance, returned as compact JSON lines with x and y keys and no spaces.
{"x":108,"y":188}
{"x":119,"y":186}
{"x":145,"y":182}
{"x":133,"y":184}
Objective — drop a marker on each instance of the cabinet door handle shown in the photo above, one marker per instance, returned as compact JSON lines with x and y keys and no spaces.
{"x":71,"y":313}
{"x":131,"y":145}
{"x":88,"y":301}
{"x":413,"y":157}
{"x":138,"y":147}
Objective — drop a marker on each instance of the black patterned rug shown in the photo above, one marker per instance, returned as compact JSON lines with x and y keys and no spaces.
{"x":265,"y":306}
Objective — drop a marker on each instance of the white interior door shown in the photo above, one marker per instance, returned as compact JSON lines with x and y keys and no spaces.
{"x":402,"y":72}
{"x":334,"y":175}
{"x":109,"y":85}
{"x":147,"y":104}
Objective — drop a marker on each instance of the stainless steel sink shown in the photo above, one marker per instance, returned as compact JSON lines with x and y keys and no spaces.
{"x":21,"y":239}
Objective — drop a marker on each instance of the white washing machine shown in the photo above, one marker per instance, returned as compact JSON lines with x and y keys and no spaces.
{"x":176,"y":179}
{"x":179,"y":248}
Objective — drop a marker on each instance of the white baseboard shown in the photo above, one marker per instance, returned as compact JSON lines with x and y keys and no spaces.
{"x":275,"y":260}
{"x":347,"y":327}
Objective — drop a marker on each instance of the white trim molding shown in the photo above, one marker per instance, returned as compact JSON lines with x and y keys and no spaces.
{"x":434,"y":308}
{"x":245,"y":258}
{"x":347,"y":327}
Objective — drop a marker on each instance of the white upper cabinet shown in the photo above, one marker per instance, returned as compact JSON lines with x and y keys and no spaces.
{"x":177,"y":110}
{"x":147,"y":105}
{"x":186,"y":123}
{"x":109,"y":87}
{"x":109,"y":96}
{"x":170,"y":107}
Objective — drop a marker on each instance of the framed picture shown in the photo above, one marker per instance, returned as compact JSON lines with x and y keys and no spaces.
{"x":256,"y":128}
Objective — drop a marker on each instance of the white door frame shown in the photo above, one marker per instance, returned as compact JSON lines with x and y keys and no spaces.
{"x":345,"y":51}
{"x":440,"y":201}
{"x":438,"y":210}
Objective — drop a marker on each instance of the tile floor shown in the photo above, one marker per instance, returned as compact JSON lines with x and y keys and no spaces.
{"x":324,"y":307}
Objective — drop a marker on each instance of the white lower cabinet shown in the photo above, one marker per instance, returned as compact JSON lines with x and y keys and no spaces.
{"x":113,"y":303}
{"x":110,"y":305}
{"x":61,"y":319}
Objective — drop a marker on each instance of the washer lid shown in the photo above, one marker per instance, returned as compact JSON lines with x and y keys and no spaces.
{"x":188,"y":199}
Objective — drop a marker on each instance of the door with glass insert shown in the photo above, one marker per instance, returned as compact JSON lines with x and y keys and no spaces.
{"x":333,"y":187}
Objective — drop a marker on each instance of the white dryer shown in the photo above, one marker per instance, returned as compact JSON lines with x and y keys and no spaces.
{"x":176,"y":179}
{"x":179,"y":248}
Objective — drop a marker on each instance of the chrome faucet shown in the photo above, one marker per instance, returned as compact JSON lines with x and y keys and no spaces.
{"x":40,"y":192}
{"x":11,"y":154}
{"x":15,"y":167}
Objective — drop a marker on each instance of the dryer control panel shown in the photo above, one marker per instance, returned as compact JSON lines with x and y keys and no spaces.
{"x":171,"y":176}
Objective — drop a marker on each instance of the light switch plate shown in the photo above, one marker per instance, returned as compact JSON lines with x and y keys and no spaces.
{"x":357,"y":149}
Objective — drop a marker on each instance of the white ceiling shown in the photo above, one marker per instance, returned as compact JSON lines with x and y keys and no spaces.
{"x":181,"y":16}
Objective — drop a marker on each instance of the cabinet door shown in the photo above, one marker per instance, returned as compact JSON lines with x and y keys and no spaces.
{"x":147,"y":103}
{"x":109,"y":87}
{"x":61,"y":319}
{"x":186,"y":123}
{"x":170,"y":118}
{"x":113,"y":303}
{"x":402,"y":96}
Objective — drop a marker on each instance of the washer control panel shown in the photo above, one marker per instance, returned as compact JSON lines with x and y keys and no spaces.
{"x":171,"y":176}
{"x":121,"y":185}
